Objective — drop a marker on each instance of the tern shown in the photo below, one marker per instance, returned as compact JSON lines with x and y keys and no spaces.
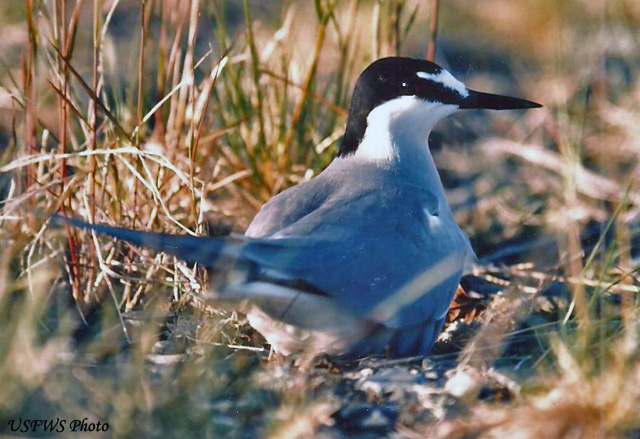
{"x":365,"y":258}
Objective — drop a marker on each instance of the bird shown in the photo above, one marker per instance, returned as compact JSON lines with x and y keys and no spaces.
{"x":364,"y":259}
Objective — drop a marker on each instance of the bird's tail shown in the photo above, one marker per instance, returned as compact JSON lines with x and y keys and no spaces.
{"x":203,"y":250}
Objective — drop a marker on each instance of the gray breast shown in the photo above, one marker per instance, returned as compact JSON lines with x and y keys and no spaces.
{"x":366,"y":236}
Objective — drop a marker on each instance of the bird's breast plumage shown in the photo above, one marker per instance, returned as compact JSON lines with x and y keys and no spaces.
{"x":368,"y":236}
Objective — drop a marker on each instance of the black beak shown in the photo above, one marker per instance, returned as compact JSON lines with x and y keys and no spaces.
{"x":477,"y":99}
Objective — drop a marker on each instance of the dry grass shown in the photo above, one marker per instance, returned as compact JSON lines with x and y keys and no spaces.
{"x":186,"y":116}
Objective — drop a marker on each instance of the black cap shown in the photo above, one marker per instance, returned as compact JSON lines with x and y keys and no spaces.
{"x":389,"y":78}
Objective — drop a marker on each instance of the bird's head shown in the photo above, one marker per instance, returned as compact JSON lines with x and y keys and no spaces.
{"x":417,"y":92}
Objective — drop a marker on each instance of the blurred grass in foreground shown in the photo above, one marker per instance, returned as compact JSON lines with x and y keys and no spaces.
{"x":186,"y":116}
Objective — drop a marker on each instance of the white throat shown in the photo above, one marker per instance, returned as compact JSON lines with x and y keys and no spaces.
{"x":399,"y":129}
{"x":397,"y":137}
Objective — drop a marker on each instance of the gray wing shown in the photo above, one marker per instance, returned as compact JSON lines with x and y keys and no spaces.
{"x":288,"y":207}
{"x":365,"y":243}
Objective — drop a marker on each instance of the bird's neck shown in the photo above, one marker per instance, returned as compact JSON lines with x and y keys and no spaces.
{"x":397,"y":136}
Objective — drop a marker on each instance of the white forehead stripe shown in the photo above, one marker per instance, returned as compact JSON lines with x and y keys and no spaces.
{"x":445,"y":78}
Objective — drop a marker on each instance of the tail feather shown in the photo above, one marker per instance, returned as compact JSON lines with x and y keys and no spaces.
{"x":203,"y":250}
